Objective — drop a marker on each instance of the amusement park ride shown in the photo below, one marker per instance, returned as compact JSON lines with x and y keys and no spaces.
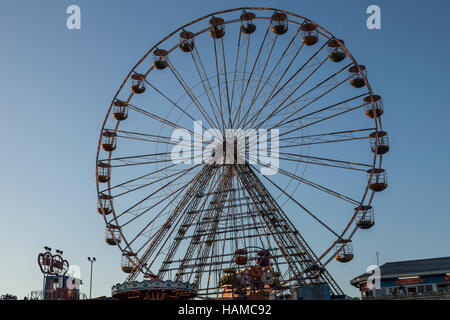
{"x":219,"y":230}
{"x":57,"y":285}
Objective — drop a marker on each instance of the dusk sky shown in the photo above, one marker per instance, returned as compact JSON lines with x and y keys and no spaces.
{"x":57,"y":85}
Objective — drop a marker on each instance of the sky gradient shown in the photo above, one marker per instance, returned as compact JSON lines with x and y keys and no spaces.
{"x":57,"y":84}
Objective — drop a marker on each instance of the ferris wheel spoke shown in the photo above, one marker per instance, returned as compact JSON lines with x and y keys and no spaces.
{"x":144,"y":163}
{"x":324,"y":109}
{"x":323,"y":142}
{"x":154,"y":139}
{"x":219,"y":90}
{"x":328,"y":250}
{"x":138,"y":178}
{"x":146,"y":227}
{"x":225,"y":73}
{"x":162,"y":120}
{"x":135,"y":136}
{"x":152,"y":183}
{"x":152,"y":221}
{"x":252,"y":72}
{"x":301,"y":206}
{"x":328,"y":141}
{"x":320,"y":188}
{"x":287,"y":97}
{"x":324,"y":159}
{"x":191,"y":95}
{"x":314,"y":185}
{"x":238,"y":112}
{"x":148,"y":137}
{"x":158,"y":190}
{"x":115,"y":219}
{"x":226,"y":82}
{"x":152,"y":160}
{"x":281,"y":138}
{"x":286,"y":119}
{"x":123,"y":159}
{"x":329,"y":260}
{"x":188,"y":160}
{"x":279,"y":108}
{"x":322,"y":119}
{"x":255,"y":94}
{"x":345,"y":134}
{"x":272,"y":96}
{"x":205,"y":83}
{"x":148,"y":155}
{"x":326,"y":162}
{"x":235,"y":69}
{"x":171,"y":101}
{"x":252,"y":113}
{"x":171,"y":201}
{"x":278,"y":63}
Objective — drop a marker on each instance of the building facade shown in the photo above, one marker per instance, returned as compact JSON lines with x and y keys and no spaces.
{"x":412,"y":279}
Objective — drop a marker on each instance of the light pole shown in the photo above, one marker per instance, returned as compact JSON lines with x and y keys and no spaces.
{"x":91,"y":260}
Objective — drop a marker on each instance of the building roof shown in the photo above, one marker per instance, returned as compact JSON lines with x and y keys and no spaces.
{"x":407,"y":268}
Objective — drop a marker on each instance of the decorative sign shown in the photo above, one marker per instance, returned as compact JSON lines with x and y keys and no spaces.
{"x":155,"y":284}
{"x":52,"y":264}
{"x":409,"y":281}
{"x":446,"y":278}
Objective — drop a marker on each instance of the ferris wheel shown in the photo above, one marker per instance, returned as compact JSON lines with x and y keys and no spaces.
{"x":248,"y":226}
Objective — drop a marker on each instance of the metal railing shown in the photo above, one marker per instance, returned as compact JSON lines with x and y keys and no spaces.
{"x":436,"y":295}
{"x":37,"y":295}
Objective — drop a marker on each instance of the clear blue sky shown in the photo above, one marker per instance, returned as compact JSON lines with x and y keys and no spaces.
{"x":56,"y":85}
